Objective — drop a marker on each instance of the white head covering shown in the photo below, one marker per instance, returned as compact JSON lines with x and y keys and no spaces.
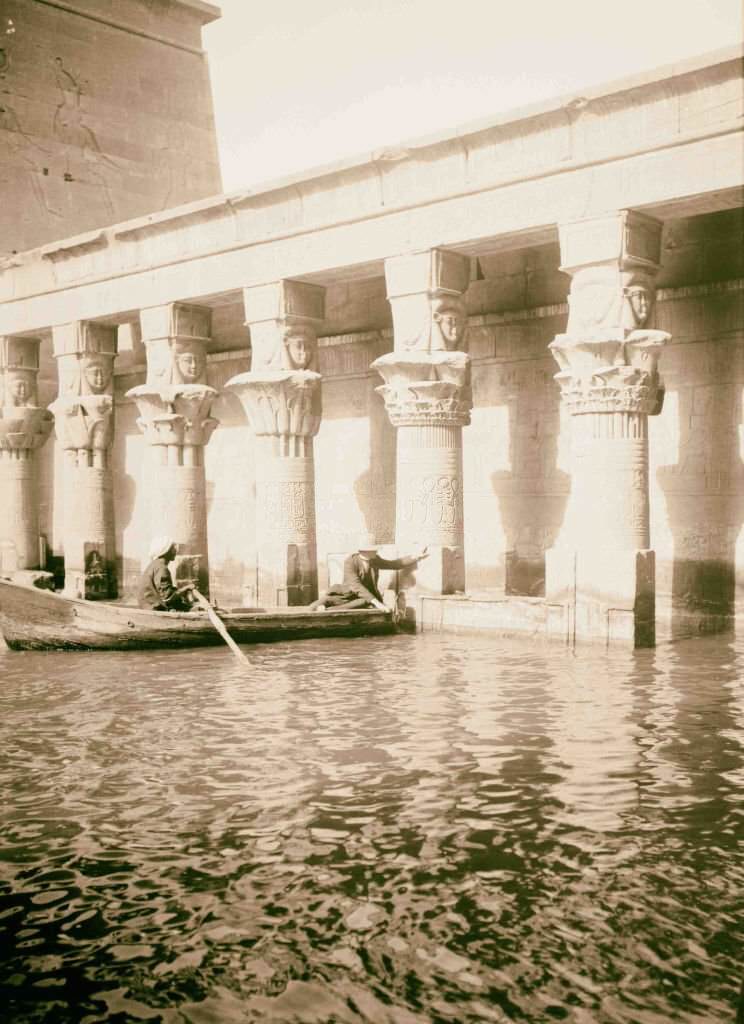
{"x":159,"y":546}
{"x":367,"y":542}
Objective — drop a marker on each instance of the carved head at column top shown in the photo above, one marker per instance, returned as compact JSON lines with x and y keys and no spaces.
{"x":95,"y":374}
{"x":638,"y":304}
{"x":299,"y":347}
{"x":605,"y":299}
{"x":189,"y":362}
{"x":20,"y":387}
{"x":449,"y":323}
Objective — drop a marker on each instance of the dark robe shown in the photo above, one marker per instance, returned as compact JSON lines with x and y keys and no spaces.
{"x":156,"y":591}
{"x":359,"y":584}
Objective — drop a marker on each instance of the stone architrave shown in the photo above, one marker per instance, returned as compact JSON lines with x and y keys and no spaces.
{"x":174,"y":407}
{"x":84,"y":419}
{"x":602,"y":566}
{"x":428,"y":399}
{"x":24,"y":427}
{"x":282,"y":400}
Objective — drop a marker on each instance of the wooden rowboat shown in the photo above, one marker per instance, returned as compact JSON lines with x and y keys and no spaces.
{"x":32,"y":619}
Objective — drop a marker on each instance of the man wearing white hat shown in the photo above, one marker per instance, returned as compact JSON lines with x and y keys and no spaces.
{"x":359,"y":589}
{"x":156,"y":590}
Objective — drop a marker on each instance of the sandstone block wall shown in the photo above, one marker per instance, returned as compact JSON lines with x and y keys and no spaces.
{"x":105,"y":114}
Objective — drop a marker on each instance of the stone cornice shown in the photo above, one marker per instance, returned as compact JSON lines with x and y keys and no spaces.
{"x":203,"y":12}
{"x":457,"y":172}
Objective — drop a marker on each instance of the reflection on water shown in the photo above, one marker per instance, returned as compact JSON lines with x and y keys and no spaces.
{"x":399,"y":831}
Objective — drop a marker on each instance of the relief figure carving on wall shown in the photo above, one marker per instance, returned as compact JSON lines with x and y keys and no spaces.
{"x":25,"y":154}
{"x":70,"y":128}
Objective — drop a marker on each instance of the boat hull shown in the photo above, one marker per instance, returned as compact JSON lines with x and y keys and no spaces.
{"x":33,"y":619}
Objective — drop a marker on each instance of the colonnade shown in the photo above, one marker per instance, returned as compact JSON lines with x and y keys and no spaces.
{"x":601,"y":563}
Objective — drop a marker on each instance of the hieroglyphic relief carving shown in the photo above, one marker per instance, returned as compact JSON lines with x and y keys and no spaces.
{"x":288,"y":507}
{"x":434,"y":500}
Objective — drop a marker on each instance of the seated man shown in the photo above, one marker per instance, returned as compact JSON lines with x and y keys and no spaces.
{"x":359,"y":589}
{"x":155,"y":589}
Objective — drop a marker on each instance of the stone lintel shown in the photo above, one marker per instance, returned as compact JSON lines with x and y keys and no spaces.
{"x":78,"y":245}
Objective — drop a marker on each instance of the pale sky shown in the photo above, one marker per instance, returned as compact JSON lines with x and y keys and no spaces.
{"x":299,"y":83}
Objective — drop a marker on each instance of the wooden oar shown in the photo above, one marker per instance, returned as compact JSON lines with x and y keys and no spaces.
{"x":219,"y":625}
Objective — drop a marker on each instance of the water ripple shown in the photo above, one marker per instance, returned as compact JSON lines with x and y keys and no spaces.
{"x":424,"y":829}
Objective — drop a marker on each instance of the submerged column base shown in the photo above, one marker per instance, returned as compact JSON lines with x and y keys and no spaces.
{"x":602,"y":596}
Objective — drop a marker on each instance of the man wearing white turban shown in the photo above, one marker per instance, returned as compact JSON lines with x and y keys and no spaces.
{"x":156,"y":590}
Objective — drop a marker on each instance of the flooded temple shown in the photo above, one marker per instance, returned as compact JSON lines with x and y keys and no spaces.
{"x":521,"y":344}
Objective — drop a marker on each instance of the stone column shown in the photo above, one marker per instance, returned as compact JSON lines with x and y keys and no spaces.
{"x":174,"y":405}
{"x":24,"y":427}
{"x":427,"y":396}
{"x":281,"y":397}
{"x":601,"y":569}
{"x":84,"y":417}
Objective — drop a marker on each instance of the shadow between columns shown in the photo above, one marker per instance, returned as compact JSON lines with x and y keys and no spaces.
{"x":374,"y":488}
{"x":704,"y":495}
{"x":533,"y":493}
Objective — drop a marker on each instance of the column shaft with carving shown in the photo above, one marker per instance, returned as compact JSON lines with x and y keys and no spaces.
{"x":84,"y":418}
{"x":610,"y":385}
{"x":24,"y":427}
{"x":428,"y":399}
{"x":281,"y":397}
{"x":174,"y":415}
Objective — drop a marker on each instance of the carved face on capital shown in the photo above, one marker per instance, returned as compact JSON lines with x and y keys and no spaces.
{"x":640,"y":300}
{"x":96,"y":375}
{"x":299,"y":343}
{"x":20,"y":388}
{"x":191,"y":365}
{"x":449,"y":315}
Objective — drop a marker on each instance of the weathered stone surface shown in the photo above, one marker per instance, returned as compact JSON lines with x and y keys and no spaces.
{"x":90,"y":131}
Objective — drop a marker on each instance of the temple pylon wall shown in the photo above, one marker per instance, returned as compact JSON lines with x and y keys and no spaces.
{"x":106,"y":114}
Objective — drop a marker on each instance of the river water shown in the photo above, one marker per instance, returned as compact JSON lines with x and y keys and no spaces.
{"x":390,"y":830}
